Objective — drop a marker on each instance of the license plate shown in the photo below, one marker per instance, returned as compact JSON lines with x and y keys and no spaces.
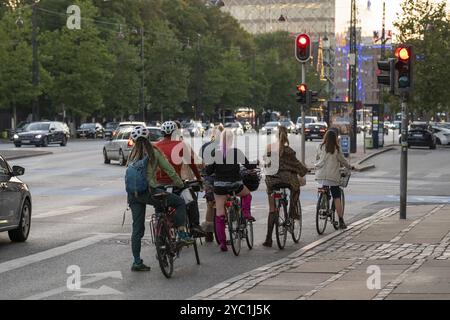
{"x":26,"y":141}
{"x":417,"y":135}
{"x":314,"y":135}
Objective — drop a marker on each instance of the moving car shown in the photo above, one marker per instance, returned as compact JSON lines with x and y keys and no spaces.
{"x":270,"y":127}
{"x":110,"y":128}
{"x":15,"y":203}
{"x":91,"y":130}
{"x":289,"y":125}
{"x":315,"y":130}
{"x":421,"y":137}
{"x":42,"y":134}
{"x":132,"y":124}
{"x":19,"y":128}
{"x":119,"y":146}
{"x":236,"y":127}
{"x":442,"y":135}
{"x":308,"y":120}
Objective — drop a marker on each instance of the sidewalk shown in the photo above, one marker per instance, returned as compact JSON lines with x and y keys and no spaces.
{"x":412,"y":256}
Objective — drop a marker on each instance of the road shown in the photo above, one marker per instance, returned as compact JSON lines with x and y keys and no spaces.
{"x":78,"y":203}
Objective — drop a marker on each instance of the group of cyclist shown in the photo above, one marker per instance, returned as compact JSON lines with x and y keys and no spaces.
{"x":221,"y":169}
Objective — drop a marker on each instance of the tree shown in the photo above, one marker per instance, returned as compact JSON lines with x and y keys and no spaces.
{"x":426,"y":26}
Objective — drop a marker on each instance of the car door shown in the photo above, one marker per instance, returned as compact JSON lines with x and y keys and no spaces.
{"x":10,"y":196}
{"x":115,"y":145}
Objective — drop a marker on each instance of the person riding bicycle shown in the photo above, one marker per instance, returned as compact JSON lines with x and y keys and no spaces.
{"x":282,"y":167}
{"x":226,"y":167}
{"x":207,"y":153}
{"x":329,"y":162}
{"x":138,"y":201}
{"x":178,"y":152}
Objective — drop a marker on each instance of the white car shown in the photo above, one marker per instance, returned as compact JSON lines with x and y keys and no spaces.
{"x":236,"y":127}
{"x":270,"y":127}
{"x":442,"y":135}
{"x":119,"y":146}
{"x":308,"y":120}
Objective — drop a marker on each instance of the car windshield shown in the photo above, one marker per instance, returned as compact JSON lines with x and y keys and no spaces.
{"x":38,"y":127}
{"x":272,"y":124}
{"x":286,"y":123}
{"x":111,"y":125}
{"x":87,"y":125}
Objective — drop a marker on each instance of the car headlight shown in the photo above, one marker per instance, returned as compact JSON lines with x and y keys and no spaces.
{"x":16,"y":136}
{"x":38,"y":136}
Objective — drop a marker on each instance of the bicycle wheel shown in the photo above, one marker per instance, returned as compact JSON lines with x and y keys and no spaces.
{"x":234,"y":221}
{"x":321,"y":213}
{"x":297,"y":224}
{"x":281,"y":228}
{"x":164,"y":249}
{"x":249,"y":234}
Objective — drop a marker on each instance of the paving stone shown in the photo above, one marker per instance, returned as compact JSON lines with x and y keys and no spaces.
{"x":322,"y":266}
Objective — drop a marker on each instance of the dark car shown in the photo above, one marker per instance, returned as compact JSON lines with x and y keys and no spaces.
{"x":42,"y":134}
{"x":315,"y":131}
{"x":91,"y":130}
{"x":421,"y":137}
{"x":19,"y":128}
{"x":15,"y":203}
{"x":110,"y":128}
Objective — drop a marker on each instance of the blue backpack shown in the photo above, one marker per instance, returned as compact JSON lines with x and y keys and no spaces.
{"x":136,"y":176}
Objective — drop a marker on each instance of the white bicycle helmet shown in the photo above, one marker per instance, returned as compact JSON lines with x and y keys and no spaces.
{"x":138,"y":132}
{"x":168,"y":127}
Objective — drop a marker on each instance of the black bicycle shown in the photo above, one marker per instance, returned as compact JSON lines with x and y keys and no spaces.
{"x":326,"y":212}
{"x":285,"y":222}
{"x":163,"y":231}
{"x":239,"y":228}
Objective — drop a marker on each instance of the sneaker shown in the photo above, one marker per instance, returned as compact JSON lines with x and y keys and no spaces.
{"x":342,"y":225}
{"x":185,"y":238}
{"x":140,"y":267}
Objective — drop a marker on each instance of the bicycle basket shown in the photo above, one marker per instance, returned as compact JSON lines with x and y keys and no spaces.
{"x":345,"y":177}
{"x":251,"y":178}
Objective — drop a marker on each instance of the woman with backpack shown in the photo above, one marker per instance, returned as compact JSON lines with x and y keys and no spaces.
{"x":282,"y":167}
{"x":141,"y":190}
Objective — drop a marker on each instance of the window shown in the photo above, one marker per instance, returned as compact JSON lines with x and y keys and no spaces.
{"x":4,"y":170}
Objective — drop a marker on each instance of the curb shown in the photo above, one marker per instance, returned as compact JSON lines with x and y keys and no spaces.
{"x":204,"y":294}
{"x":44,"y":153}
{"x":375,"y":154}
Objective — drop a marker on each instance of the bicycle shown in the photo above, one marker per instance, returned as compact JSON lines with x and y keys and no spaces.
{"x":163,"y":231}
{"x":323,"y":211}
{"x":238,"y":227}
{"x":285,"y":223}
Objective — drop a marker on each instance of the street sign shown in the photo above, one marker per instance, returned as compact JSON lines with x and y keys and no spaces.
{"x":345,"y":145}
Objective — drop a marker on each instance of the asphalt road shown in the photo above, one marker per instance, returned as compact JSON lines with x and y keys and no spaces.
{"x":78,"y":204}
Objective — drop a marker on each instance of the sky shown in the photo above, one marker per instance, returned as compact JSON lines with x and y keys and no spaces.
{"x":370,"y":13}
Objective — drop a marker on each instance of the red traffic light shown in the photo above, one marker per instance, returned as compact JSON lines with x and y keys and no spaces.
{"x":403,"y":53}
{"x":302,"y":48}
{"x":302,"y":88}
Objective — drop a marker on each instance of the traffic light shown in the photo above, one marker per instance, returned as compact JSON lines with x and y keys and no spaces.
{"x":302,"y":48}
{"x":312,"y":97}
{"x":302,"y":90}
{"x":403,"y":66}
{"x":387,"y":74}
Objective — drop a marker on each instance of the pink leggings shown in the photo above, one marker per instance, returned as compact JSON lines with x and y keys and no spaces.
{"x":246,"y":205}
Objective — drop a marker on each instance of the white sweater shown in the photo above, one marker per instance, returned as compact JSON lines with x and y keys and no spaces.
{"x":328,"y":164}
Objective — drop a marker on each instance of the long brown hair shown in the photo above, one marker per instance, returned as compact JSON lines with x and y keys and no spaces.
{"x":330,"y":141}
{"x":283,"y":138}
{"x":143,"y":147}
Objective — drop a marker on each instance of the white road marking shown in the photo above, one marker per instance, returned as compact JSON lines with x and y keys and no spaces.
{"x":51,"y":253}
{"x":62,"y":211}
{"x":433,"y":175}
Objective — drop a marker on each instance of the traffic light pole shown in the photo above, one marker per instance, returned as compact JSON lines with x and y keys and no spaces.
{"x":303,"y":147}
{"x":404,"y":158}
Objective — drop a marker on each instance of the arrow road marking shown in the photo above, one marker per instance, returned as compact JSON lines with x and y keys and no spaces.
{"x":95,"y":277}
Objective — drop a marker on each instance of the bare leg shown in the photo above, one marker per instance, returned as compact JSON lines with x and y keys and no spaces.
{"x":338,"y":206}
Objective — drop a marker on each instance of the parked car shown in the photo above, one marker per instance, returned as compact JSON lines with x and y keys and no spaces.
{"x":15,"y":203}
{"x":270,"y":127}
{"x":155,"y":133}
{"x":119,"y":146}
{"x":308,"y":120}
{"x":42,"y":134}
{"x":236,"y":127}
{"x":445,"y":125}
{"x":442,"y":135}
{"x":110,"y":128}
{"x":315,"y":130}
{"x":91,"y":130}
{"x":289,"y":125}
{"x":420,"y":137}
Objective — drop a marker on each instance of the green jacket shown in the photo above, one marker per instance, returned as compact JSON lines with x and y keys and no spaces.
{"x":164,"y":165}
